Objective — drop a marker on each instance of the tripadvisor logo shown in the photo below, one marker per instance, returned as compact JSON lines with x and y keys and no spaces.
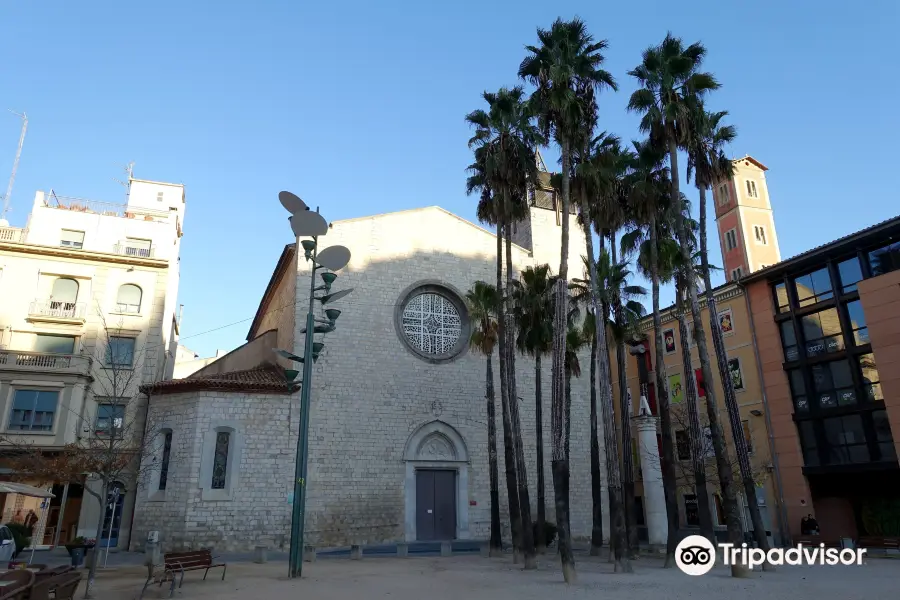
{"x":696,"y":555}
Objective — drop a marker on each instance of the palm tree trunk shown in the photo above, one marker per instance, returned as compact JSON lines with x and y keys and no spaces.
{"x":540,"y":540}
{"x":496,"y":542}
{"x":569,"y":432}
{"x":521,"y":466}
{"x":662,"y":398}
{"x":558,"y":415}
{"x":723,"y":463}
{"x":604,"y":393}
{"x":509,"y":453}
{"x":731,"y":405}
{"x":698,"y":448}
{"x":596,"y":482}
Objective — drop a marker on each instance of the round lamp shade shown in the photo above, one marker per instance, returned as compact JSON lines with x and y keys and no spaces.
{"x":334,"y":258}
{"x":291,"y":202}
{"x":308,"y":224}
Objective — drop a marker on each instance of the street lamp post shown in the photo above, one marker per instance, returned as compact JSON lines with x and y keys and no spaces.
{"x":306,"y":223}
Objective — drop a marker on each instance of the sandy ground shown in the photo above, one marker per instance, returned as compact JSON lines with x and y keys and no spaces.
{"x":475,"y":578}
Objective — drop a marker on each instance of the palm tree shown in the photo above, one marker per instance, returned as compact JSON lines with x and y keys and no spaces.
{"x":483,"y":301}
{"x":509,"y":137}
{"x":533,"y":312}
{"x":706,"y":158}
{"x":490,"y":210}
{"x":649,"y":205}
{"x":671,"y":85}
{"x":669,"y":266}
{"x":565,"y":69}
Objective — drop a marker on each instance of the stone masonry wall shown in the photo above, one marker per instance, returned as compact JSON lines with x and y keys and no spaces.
{"x":371,"y":392}
{"x":257,"y":510}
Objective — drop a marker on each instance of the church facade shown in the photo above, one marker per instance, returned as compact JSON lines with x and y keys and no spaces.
{"x":398,"y":425}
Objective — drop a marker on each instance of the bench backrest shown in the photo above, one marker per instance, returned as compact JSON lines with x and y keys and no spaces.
{"x":22,"y":579}
{"x":195,"y":558}
{"x":44,"y":585}
{"x":67,"y":586}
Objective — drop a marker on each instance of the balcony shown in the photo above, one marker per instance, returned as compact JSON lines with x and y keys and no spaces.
{"x":57,"y":312}
{"x":106,"y":209}
{"x":44,"y":361}
{"x":12,"y":234}
{"x":130,"y":249}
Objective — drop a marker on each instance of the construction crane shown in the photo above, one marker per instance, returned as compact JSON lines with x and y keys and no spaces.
{"x":12,"y":177}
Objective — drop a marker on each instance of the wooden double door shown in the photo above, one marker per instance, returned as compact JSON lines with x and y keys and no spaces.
{"x":435,"y":504}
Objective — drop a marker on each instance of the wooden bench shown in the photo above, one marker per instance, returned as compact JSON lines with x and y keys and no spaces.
{"x":875,"y":541}
{"x":181,"y":562}
{"x":815,"y":540}
{"x":62,"y":586}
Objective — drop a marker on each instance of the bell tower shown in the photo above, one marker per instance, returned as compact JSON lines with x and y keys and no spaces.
{"x":744,"y":219}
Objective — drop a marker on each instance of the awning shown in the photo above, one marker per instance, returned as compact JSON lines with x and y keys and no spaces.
{"x":9,"y":487}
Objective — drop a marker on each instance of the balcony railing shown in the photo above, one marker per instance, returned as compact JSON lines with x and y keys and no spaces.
{"x":127,"y":249}
{"x":43,"y":360}
{"x":56,"y":309}
{"x":106,"y":209}
{"x":12,"y":234}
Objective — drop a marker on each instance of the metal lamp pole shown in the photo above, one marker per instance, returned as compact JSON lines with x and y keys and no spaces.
{"x":305,"y":223}
{"x":299,"y":508}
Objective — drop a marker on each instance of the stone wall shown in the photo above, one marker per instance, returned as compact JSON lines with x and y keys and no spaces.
{"x":261,"y":471}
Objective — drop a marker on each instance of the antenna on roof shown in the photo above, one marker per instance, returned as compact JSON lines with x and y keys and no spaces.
{"x":129,"y":170}
{"x":15,"y":167}
{"x":539,"y":161}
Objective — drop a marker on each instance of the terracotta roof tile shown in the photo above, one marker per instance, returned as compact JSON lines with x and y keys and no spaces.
{"x":267,"y":378}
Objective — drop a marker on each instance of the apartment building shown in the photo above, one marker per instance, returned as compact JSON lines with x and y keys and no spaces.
{"x":88,"y":299}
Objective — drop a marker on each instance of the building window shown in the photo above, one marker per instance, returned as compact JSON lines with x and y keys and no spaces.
{"x":128,"y":300}
{"x":833,"y":384}
{"x":431,"y":323}
{"x":737,"y":375}
{"x":683,"y":445}
{"x":871,"y":381}
{"x":137,"y":247}
{"x":798,"y":391}
{"x":886,"y":259}
{"x":850,"y":274}
{"x":691,"y":510}
{"x":726,"y":322}
{"x":159,"y":196}
{"x":64,"y":294}
{"x":720,"y":512}
{"x":759,"y":232}
{"x":858,"y":322}
{"x":748,"y":438}
{"x":781,"y":298}
{"x":33,"y":410}
{"x":220,"y":460}
{"x":846,"y":440}
{"x":69,"y":238}
{"x":751,"y":189}
{"x":120,"y":352}
{"x":731,"y":239}
{"x":822,"y":332}
{"x":808,"y":443}
{"x":883,"y":435}
{"x":736,"y":274}
{"x":709,"y":451}
{"x":724,"y":196}
{"x":54,"y":344}
{"x":110,"y":419}
{"x":789,"y":342}
{"x":814,"y":287}
{"x":164,"y":463}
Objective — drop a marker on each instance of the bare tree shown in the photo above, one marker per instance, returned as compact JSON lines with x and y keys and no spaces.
{"x":109,"y":442}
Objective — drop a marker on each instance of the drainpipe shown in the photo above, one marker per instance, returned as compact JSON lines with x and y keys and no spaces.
{"x":782,"y":514}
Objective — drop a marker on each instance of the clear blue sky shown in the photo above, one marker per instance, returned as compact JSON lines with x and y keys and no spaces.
{"x":358,"y":107}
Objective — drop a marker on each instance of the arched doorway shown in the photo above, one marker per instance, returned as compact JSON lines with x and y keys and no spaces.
{"x":115,"y":501}
{"x":436,"y":489}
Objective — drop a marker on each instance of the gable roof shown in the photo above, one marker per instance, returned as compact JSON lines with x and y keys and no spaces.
{"x":267,"y":378}
{"x":287,"y":256}
{"x":749,"y":158}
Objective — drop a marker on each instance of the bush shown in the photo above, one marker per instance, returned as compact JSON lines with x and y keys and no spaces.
{"x":21,"y":536}
{"x":549,"y":532}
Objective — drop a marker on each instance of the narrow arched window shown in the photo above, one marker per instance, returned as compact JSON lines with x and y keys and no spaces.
{"x":129,"y":298}
{"x":64,"y":290}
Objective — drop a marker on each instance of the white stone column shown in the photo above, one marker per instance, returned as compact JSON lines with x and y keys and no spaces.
{"x":654,"y":497}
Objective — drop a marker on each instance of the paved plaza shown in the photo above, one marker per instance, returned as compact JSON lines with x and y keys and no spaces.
{"x":476,"y":578}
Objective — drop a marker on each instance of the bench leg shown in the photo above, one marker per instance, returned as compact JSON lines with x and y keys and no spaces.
{"x":224,"y":568}
{"x":205,"y":573}
{"x":146,"y":583}
{"x":180,"y":583}
{"x":172,"y":587}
